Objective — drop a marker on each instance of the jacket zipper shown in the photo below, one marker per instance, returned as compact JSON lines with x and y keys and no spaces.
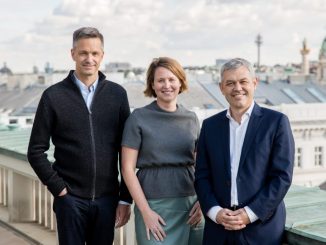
{"x":94,"y":155}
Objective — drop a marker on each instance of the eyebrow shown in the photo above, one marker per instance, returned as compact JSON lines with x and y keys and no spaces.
{"x":241,"y":79}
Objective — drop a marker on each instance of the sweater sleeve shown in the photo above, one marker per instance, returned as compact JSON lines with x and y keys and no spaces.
{"x":38,"y":145}
{"x":124,"y":114}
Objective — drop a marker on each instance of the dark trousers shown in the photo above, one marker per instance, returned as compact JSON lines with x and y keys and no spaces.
{"x":235,"y":238}
{"x":81,"y":221}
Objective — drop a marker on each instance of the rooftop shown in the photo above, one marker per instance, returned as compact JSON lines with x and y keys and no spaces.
{"x":306,"y":215}
{"x":203,"y":93}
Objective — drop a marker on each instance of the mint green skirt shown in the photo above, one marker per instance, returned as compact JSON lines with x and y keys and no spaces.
{"x":175,"y":212}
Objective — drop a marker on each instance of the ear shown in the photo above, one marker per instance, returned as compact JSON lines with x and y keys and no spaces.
{"x":221,"y":87}
{"x":72,"y":52}
{"x":255,"y":81}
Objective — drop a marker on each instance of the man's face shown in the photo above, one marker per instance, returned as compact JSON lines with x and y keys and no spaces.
{"x":238,"y":87}
{"x":88,"y":54}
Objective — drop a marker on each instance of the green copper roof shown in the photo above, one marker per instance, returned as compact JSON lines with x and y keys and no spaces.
{"x":15,"y":142}
{"x":306,"y":216}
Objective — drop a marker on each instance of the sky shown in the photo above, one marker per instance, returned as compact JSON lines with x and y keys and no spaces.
{"x":195,"y":32}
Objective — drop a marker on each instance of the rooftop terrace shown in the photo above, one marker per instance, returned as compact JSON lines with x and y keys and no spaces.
{"x":306,"y":207}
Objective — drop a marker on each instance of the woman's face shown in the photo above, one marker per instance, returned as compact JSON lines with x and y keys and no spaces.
{"x":166,"y":86}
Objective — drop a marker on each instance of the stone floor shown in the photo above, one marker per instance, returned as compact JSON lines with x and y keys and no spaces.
{"x":23,"y":233}
{"x":8,"y":237}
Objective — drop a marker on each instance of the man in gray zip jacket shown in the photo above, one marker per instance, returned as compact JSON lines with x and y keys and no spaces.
{"x":84,"y":116}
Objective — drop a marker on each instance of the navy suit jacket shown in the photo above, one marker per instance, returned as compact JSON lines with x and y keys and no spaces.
{"x":264,"y":175}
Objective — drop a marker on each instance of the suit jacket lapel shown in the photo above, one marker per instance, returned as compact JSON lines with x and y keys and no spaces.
{"x":224,"y":128}
{"x":253,"y":125}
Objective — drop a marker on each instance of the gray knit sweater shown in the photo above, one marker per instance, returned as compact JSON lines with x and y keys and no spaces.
{"x":166,"y":144}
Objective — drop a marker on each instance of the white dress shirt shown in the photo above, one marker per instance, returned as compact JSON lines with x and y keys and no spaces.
{"x":237,"y":135}
{"x":87,"y":92}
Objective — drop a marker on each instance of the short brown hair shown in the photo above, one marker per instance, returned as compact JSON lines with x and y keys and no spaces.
{"x":170,"y":64}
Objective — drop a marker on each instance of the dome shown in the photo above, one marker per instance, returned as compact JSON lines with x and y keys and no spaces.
{"x":5,"y":70}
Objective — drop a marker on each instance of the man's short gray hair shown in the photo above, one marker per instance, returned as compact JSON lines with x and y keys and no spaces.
{"x":235,"y":64}
{"x":86,"y":32}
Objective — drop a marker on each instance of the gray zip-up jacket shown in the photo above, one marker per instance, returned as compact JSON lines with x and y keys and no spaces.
{"x":86,"y":144}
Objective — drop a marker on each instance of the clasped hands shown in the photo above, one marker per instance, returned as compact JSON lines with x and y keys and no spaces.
{"x":233,"y":220}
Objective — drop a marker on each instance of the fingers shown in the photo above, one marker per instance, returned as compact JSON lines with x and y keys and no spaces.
{"x":147,"y":234}
{"x":234,"y":227}
{"x":117,"y":218}
{"x":161,"y":220}
{"x":195,"y":215}
{"x":160,"y":229}
{"x":117,"y":222}
{"x":158,"y":233}
{"x":244,"y":216}
{"x":195,"y":218}
{"x":153,"y":223}
{"x":124,"y":219}
{"x":121,"y":222}
{"x":122,"y":215}
{"x":231,"y":220}
{"x":194,"y":208}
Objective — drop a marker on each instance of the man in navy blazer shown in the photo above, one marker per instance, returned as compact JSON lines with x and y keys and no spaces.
{"x":244,"y":165}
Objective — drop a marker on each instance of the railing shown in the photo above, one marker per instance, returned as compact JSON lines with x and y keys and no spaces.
{"x":3,"y":186}
{"x":28,"y":200}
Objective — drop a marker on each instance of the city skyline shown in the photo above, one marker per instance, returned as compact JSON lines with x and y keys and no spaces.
{"x":194,"y":32}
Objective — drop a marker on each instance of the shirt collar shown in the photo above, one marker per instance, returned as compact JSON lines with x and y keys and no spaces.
{"x":83,"y":87}
{"x":247,"y":113}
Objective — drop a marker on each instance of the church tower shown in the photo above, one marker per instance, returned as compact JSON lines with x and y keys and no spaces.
{"x":305,"y":62}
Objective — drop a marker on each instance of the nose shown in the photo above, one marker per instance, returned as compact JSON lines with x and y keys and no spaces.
{"x":89,"y":57}
{"x":166,"y":83}
{"x":237,"y":86}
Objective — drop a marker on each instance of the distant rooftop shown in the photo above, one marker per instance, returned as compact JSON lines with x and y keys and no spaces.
{"x":203,"y":93}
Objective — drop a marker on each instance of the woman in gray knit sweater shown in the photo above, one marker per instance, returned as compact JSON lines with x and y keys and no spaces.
{"x":159,"y":140}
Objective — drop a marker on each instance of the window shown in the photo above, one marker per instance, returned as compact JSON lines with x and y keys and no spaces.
{"x":13,"y":121}
{"x":29,"y":121}
{"x":298,"y":157}
{"x":318,"y":156}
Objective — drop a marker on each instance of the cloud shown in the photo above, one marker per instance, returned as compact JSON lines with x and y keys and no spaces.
{"x":194,"y":31}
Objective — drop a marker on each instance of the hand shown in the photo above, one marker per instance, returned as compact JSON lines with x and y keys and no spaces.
{"x":195,"y":215}
{"x":63,"y":192}
{"x":231,"y":220}
{"x":153,"y":223}
{"x":243,"y":216}
{"x":122,"y":215}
